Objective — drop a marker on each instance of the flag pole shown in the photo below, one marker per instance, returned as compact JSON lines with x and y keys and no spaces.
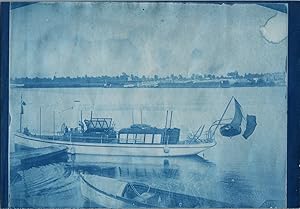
{"x":171,"y":119}
{"x":40,"y":122}
{"x":21,"y":114}
{"x":222,"y":116}
{"x":166,"y":127}
{"x":132,"y":117}
{"x":53,"y":124}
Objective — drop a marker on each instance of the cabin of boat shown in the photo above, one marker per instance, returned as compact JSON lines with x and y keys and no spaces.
{"x":101,"y":130}
{"x":143,"y":133}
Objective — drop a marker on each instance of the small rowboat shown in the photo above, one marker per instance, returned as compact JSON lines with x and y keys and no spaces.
{"x":114,"y":193}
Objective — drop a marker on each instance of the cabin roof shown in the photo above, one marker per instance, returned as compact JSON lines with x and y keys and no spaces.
{"x":141,"y":129}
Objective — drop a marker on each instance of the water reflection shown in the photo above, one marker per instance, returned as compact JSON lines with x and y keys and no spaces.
{"x":57,"y":184}
{"x":147,"y":168}
{"x":46,"y":186}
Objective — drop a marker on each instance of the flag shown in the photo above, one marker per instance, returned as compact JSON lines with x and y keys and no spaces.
{"x":238,"y":116}
{"x":234,"y":127}
{"x":250,"y":126}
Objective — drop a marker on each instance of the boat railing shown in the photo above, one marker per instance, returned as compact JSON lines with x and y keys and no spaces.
{"x":217,"y":123}
{"x":207,"y":136}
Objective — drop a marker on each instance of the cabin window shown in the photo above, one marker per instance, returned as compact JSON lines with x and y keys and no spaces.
{"x":148,"y":138}
{"x":131,"y":138}
{"x":157,"y":139}
{"x":123,"y":138}
{"x":140,"y":138}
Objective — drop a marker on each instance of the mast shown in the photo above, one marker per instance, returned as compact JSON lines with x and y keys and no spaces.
{"x":171,"y":118}
{"x":53,"y":124}
{"x":141,"y":116}
{"x":166,"y":125}
{"x":166,"y":119}
{"x":40,"y":122}
{"x":167,"y":139}
{"x":132,"y":117}
{"x":222,"y":116}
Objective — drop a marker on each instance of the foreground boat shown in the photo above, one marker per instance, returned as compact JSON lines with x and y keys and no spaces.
{"x":114,"y":193}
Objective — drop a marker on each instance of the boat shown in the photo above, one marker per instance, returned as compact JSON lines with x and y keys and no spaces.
{"x":97,"y":136}
{"x":129,"y":85}
{"x":100,"y":138}
{"x":115,"y":193}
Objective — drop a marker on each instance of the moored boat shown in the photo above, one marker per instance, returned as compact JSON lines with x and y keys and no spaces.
{"x":81,"y":144}
{"x":115,"y":193}
{"x":97,"y":136}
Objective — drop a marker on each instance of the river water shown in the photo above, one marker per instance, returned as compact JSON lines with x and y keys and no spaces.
{"x":238,"y":171}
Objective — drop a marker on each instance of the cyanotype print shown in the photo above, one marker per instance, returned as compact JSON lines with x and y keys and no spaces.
{"x":158,"y":104}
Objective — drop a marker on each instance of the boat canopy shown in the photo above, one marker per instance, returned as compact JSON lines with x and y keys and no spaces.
{"x":103,"y":123}
{"x":141,"y":129}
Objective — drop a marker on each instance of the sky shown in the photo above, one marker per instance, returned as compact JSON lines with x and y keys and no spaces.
{"x":108,"y":38}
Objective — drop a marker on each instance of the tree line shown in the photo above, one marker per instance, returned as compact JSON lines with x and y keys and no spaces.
{"x":125,"y":78}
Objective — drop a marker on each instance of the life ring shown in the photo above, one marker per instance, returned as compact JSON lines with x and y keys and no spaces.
{"x":166,"y":149}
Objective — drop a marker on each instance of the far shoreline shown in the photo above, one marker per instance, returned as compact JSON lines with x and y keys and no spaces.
{"x":120,"y":87}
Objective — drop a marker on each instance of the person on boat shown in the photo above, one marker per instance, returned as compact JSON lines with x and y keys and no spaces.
{"x":66,"y":129}
{"x":81,"y":126}
{"x":26,"y":131}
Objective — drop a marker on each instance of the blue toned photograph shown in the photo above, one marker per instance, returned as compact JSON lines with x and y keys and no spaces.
{"x":148,"y":104}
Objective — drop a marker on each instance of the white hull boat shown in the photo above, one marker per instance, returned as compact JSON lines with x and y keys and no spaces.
{"x":97,"y":136}
{"x":116,"y":149}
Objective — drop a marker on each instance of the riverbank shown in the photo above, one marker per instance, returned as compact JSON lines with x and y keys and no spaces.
{"x":163,"y":84}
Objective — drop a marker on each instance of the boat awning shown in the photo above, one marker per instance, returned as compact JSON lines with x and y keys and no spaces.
{"x":141,"y":131}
